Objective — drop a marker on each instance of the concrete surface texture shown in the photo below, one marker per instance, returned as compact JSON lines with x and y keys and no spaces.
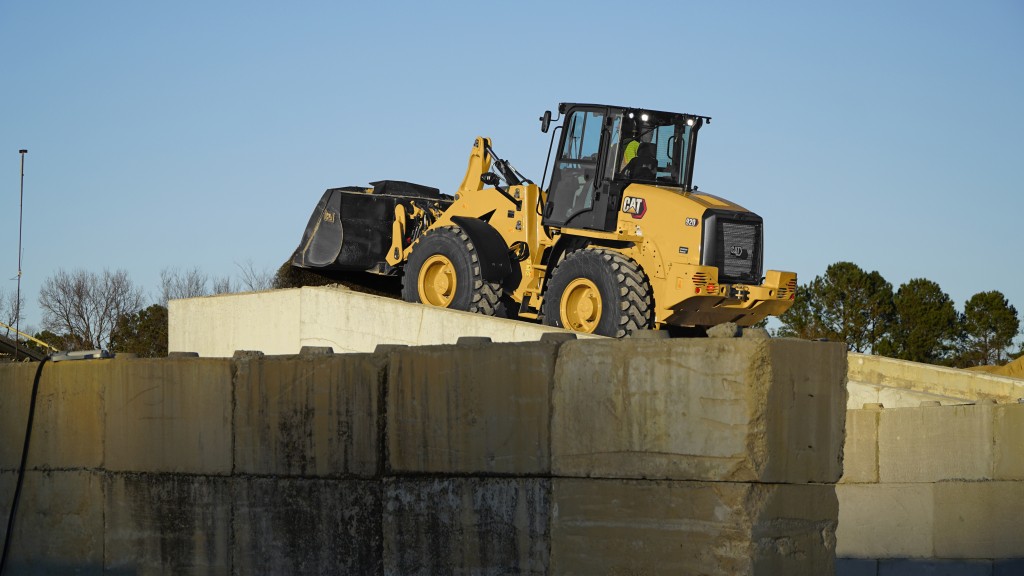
{"x":902,"y":384}
{"x":428,"y":460}
{"x":726,"y":416}
{"x":937,"y":488}
{"x":283,"y":321}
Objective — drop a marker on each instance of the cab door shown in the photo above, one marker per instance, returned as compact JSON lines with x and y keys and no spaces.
{"x":574,"y":196}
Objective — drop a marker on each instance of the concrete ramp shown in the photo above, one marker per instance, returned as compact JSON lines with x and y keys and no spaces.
{"x":283,"y":321}
{"x":902,"y":384}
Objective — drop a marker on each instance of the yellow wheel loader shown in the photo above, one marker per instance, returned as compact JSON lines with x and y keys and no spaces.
{"x":619,"y":241}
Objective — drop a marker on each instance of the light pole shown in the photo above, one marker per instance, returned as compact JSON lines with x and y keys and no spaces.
{"x":17,"y":297}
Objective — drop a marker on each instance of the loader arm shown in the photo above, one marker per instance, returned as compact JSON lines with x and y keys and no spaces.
{"x":479,"y":163}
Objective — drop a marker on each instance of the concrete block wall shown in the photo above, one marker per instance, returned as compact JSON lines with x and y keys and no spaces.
{"x":933,"y":489}
{"x":714,"y":456}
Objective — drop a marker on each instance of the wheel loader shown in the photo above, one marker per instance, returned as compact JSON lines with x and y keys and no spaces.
{"x":618,"y":241}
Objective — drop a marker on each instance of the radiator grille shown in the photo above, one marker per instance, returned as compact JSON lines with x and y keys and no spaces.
{"x":735,"y":248}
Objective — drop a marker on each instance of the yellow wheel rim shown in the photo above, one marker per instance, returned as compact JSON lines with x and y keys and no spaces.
{"x":580,"y":307}
{"x":436,"y":283}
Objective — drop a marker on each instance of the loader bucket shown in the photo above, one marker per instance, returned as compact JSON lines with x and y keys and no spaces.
{"x":350,"y":228}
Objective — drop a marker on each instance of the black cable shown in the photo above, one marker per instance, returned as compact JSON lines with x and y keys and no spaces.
{"x":21,"y":468}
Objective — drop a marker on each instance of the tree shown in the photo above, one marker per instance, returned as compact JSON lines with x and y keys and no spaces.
{"x":85,"y":306}
{"x":925,"y":323}
{"x":143,"y":333}
{"x":255,"y":280}
{"x":847,"y":304}
{"x":987,"y":330}
{"x":11,"y":310}
{"x":175,"y":283}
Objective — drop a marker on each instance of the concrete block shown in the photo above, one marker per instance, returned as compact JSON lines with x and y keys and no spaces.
{"x":282,"y":321}
{"x":306,"y":526}
{"x":167,"y":524}
{"x":59,"y":526}
{"x":16,"y":380}
{"x":309,"y":416}
{"x":216,"y":326}
{"x":913,"y":567}
{"x":169,"y":416}
{"x":734,"y":409}
{"x":900,"y":398}
{"x":478,"y":526}
{"x":672,"y":527}
{"x":860,"y":453}
{"x":352,"y":322}
{"x":979,"y":519}
{"x":68,"y":427}
{"x":861,"y":394}
{"x":932,"y":444}
{"x":885,"y":520}
{"x":471,"y":409}
{"x":962,"y":385}
{"x":1009,"y":443}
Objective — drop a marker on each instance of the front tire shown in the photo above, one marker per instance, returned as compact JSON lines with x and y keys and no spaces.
{"x":599,"y":291}
{"x":444,"y":270}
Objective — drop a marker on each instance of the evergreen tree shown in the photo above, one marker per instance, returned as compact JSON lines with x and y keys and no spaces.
{"x":925,"y":323}
{"x":987,"y":330}
{"x":847,"y":304}
{"x":143,"y":333}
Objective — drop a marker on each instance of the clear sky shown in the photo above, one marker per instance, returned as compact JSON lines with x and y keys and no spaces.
{"x":179,"y":134}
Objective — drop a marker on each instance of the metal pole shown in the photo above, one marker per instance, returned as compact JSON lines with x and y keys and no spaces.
{"x":17,"y":301}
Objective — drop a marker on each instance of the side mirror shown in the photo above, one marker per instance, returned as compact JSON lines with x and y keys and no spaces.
{"x":545,"y":121}
{"x":489,"y":179}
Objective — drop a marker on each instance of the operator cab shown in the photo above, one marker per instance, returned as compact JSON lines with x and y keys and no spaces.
{"x":603,"y":149}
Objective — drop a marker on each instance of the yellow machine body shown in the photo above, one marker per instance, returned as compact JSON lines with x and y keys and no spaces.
{"x":660,"y":228}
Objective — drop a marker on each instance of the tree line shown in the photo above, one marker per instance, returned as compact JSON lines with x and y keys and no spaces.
{"x":84,"y":310}
{"x":916,"y":322}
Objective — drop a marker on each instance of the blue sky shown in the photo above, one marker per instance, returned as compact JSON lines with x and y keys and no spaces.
{"x":202,"y":133}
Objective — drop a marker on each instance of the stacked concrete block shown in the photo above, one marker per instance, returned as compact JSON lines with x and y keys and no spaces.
{"x":466,"y":525}
{"x":290,"y":525}
{"x":168,"y":416}
{"x":605,"y":526}
{"x":715,"y":456}
{"x":468,"y":437}
{"x":309,"y":415}
{"x":482,"y":409}
{"x":935,"y":485}
{"x":744,"y":410}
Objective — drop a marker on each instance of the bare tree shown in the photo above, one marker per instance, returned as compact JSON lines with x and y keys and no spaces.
{"x":10,"y":310}
{"x":84,"y":306}
{"x":175,"y":283}
{"x":223,"y":285}
{"x":254,"y":280}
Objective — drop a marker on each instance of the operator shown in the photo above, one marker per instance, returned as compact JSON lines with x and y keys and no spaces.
{"x":633,"y":145}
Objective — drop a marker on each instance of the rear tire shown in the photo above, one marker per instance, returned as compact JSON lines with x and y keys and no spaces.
{"x":444,"y":270}
{"x":599,"y":291}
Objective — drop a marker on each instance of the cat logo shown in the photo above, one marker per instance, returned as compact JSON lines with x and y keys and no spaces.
{"x":329,"y":216}
{"x":635,"y":207}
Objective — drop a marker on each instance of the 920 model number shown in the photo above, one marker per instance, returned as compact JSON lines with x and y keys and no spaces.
{"x":691,"y":221}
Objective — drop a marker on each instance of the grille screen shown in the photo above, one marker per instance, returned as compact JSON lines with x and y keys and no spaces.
{"x":736,"y":250}
{"x":739,"y":244}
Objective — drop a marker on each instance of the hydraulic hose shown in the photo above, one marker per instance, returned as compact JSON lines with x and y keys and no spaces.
{"x":21,"y":468}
